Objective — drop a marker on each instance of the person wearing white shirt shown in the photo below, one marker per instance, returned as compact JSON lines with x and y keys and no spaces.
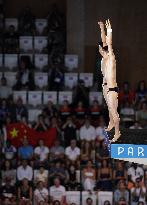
{"x":24,"y":171}
{"x":87,"y":132}
{"x":41,"y":152}
{"x":134,"y":172}
{"x":100,"y":131}
{"x":72,"y":152}
{"x":41,"y":194}
{"x":57,"y":191}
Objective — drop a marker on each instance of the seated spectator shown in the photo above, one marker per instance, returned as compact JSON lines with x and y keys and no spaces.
{"x":89,"y":201}
{"x":25,"y":75}
{"x":8,"y":173}
{"x":65,"y":110}
{"x":107,"y":202}
{"x":58,"y":171}
{"x":41,"y":175}
{"x":8,"y":192}
{"x":4,"y":111}
{"x":5,"y":89}
{"x":56,"y":151}
{"x":89,"y":177}
{"x":12,"y":111}
{"x":134,"y":172}
{"x":141,"y":203}
{"x":141,"y":92}
{"x":26,"y":150}
{"x":40,"y":125}
{"x":141,"y":115}
{"x":126,"y":94}
{"x":102,"y":152}
{"x":9,"y":152}
{"x":122,"y":201}
{"x":136,"y":125}
{"x":11,"y":40}
{"x":80,"y":110}
{"x":69,"y":130}
{"x":120,"y":192}
{"x":95,"y":109}
{"x":127,"y":112}
{"x":25,"y":194}
{"x":26,"y":22}
{"x":138,"y":193}
{"x":56,"y":77}
{"x":24,"y":171}
{"x":87,"y":153}
{"x":21,"y":110}
{"x":72,"y":184}
{"x":100,"y":130}
{"x":72,"y":152}
{"x":57,"y":191}
{"x":41,"y":154}
{"x":87,"y":132}
{"x":105,"y":176}
{"x":119,"y":173}
{"x":56,"y":202}
{"x":50,"y":110}
{"x":41,"y":194}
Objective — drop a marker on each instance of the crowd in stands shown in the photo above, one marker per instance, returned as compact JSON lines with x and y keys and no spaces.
{"x":79,"y":159}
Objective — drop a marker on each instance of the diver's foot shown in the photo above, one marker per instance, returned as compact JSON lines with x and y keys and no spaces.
{"x":115,"y":138}
{"x":110,"y":127}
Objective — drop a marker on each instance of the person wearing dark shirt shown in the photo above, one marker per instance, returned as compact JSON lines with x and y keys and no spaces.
{"x":40,"y":125}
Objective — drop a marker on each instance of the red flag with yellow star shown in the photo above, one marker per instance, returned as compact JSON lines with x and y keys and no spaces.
{"x":16,"y":132}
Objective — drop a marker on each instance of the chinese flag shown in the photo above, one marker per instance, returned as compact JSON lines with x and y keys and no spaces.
{"x":17,"y":131}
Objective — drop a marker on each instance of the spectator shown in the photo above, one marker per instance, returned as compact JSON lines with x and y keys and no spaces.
{"x":41,"y":154}
{"x":89,"y":177}
{"x":119,"y":173}
{"x":126,"y":94}
{"x":72,"y":152}
{"x":138,"y":193}
{"x":50,"y":110}
{"x":87,"y":153}
{"x":87,"y":132}
{"x":127,"y":112}
{"x":58,"y":171}
{"x":40,"y":125}
{"x":5,"y":89}
{"x":65,"y":110}
{"x":136,"y":125}
{"x":4,"y":112}
{"x":8,"y":192}
{"x":56,"y":151}
{"x":56,"y":78}
{"x":141,"y":115}
{"x":12,"y":110}
{"x":80,"y":110}
{"x":89,"y":201}
{"x":56,"y":202}
{"x":11,"y":40}
{"x":69,"y":130}
{"x":100,"y":131}
{"x":72,"y":184}
{"x":95,"y":109}
{"x":26,"y":21}
{"x":41,"y":175}
{"x":102,"y":151}
{"x":25,"y":75}
{"x":134,"y":172}
{"x":25,"y":151}
{"x":21,"y":110}
{"x":25,"y":194}
{"x":141,"y":92}
{"x":41,"y":194}
{"x":122,"y":201}
{"x":120,"y":192}
{"x":9,"y":152}
{"x":8,"y":173}
{"x":107,"y":202}
{"x":57,"y":191}
{"x":24,"y":171}
{"x":105,"y":176}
